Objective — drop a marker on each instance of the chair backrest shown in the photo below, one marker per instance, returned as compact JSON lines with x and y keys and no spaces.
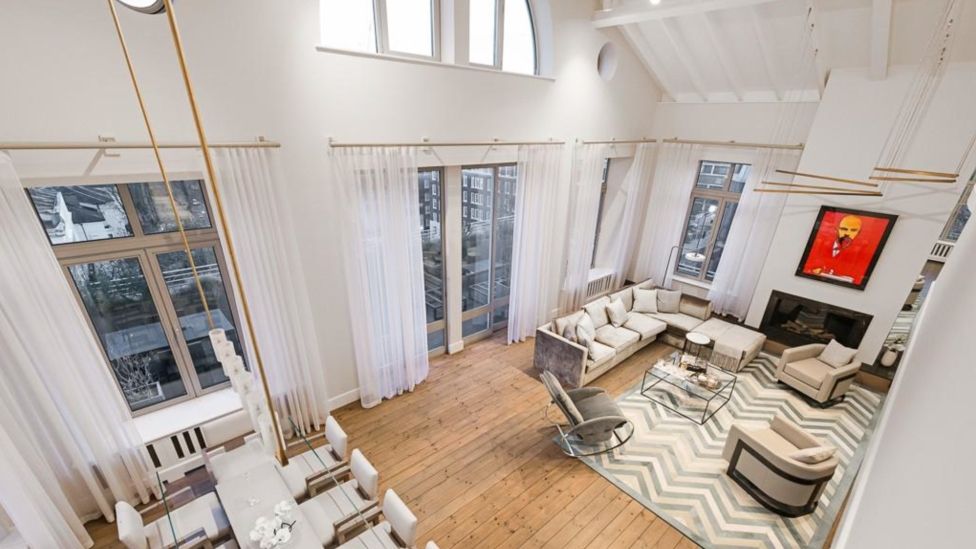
{"x":130,"y":525}
{"x":403,"y":521}
{"x":365,"y":474}
{"x":561,"y":399}
{"x":336,"y":436}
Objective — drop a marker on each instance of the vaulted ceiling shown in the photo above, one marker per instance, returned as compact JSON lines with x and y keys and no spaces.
{"x":752,"y":50}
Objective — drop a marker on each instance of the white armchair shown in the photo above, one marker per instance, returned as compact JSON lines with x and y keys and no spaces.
{"x":760,"y":462}
{"x":199,"y":523}
{"x":825,"y":384}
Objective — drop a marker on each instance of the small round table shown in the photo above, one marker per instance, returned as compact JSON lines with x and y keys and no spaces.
{"x":695,"y":342}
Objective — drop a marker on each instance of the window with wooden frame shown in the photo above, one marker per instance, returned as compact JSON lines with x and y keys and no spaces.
{"x":126,"y":263}
{"x":714,"y":200}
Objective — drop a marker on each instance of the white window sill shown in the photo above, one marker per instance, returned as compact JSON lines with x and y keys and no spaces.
{"x":596,"y":273}
{"x":187,"y":414}
{"x":429,"y":62}
{"x":693,"y":282}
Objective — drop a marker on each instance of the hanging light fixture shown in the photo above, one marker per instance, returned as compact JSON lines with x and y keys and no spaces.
{"x":145,"y":6}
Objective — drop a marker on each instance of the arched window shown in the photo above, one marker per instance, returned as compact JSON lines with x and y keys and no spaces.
{"x":404,"y":27}
{"x":501,"y":35}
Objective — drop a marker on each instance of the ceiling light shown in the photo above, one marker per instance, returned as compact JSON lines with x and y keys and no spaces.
{"x":147,"y":6}
{"x":655,"y":2}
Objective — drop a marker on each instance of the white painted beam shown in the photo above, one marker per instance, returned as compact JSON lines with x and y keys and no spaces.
{"x":643,"y":50}
{"x":766,"y":52}
{"x":722,"y":52}
{"x":684,"y":57}
{"x":880,"y":37}
{"x":629,"y":14}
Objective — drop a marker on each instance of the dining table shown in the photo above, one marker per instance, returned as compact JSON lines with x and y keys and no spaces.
{"x":254,"y":493}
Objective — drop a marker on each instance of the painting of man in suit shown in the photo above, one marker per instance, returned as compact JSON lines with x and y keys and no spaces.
{"x":845,"y":245}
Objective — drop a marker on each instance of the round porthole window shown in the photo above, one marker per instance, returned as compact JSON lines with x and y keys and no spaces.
{"x":606,"y":61}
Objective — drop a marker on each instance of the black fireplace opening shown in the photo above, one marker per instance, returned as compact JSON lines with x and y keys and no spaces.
{"x":794,"y":320}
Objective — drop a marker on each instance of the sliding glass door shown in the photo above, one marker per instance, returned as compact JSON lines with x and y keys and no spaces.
{"x":487,"y":227}
{"x":431,"y":200}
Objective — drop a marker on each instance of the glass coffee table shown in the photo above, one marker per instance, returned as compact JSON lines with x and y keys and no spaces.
{"x":695,"y":395}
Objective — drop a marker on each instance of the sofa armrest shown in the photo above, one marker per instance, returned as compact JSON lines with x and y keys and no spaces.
{"x":799,"y":353}
{"x":563,"y":358}
{"x":782,"y":463}
{"x":837,"y":381}
{"x":794,"y":433}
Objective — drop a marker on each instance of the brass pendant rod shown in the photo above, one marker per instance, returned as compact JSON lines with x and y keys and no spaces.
{"x":828,"y":178}
{"x":108,"y":145}
{"x":212,"y":175}
{"x":910,"y":179}
{"x":159,"y":162}
{"x":802,"y":186}
{"x":918,"y":172}
{"x":617,"y":141}
{"x":796,"y":147}
{"x":789,"y":191}
{"x":423,"y":144}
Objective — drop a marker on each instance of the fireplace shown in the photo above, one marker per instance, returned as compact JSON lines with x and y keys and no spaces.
{"x":794,"y":320}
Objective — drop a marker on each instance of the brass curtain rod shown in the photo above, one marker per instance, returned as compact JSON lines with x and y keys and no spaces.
{"x":841,"y":193}
{"x":742,"y":144}
{"x":103,"y":145}
{"x":422,"y":144}
{"x":829,"y":178}
{"x":821,"y":187}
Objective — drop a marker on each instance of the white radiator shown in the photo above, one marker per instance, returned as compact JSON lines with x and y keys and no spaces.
{"x":599,"y":283}
{"x":940,"y":252}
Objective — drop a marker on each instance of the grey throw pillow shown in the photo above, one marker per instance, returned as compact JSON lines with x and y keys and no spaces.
{"x":569,"y":333}
{"x":585,"y":339}
{"x":668,"y":301}
{"x":814,"y":455}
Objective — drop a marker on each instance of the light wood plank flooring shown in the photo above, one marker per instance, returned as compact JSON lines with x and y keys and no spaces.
{"x":470,"y":452}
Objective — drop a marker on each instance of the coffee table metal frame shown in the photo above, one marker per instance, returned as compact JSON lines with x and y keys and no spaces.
{"x":729,"y":384}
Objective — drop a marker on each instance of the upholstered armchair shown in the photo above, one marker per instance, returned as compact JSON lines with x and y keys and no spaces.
{"x":825,"y":384}
{"x":760,"y":462}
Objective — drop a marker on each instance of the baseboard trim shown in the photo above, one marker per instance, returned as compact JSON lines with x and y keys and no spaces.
{"x":455,"y":347}
{"x":345,"y":398}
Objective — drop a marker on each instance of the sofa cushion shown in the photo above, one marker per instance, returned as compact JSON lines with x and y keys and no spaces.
{"x":597,"y":406}
{"x":618,"y":338}
{"x":644,"y":325}
{"x":617,"y":313}
{"x":586,"y":323}
{"x":570,"y":320}
{"x":626,"y":296}
{"x":713,"y":328}
{"x":691,"y":306}
{"x":809,"y":370}
{"x":598,"y":311}
{"x":645,"y":285}
{"x":738,"y":341}
{"x":678,"y":320}
{"x":645,"y":301}
{"x":837,"y":355}
{"x":600,"y":354}
{"x":668,"y":301}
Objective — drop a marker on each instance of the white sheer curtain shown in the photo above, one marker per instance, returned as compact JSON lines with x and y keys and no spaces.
{"x":377,"y":193}
{"x":61,"y":416}
{"x":271,"y":269}
{"x":533,"y":252}
{"x":621,"y":224}
{"x":667,"y":207}
{"x":750,"y":236}
{"x":584,"y":208}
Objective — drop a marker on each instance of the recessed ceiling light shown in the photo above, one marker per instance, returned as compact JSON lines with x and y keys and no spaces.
{"x":655,"y":2}
{"x":147,"y":6}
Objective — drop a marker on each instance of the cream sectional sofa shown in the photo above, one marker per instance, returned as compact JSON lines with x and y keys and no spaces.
{"x":575,"y":366}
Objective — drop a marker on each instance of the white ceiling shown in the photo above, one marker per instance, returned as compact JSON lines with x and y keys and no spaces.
{"x":750,"y":50}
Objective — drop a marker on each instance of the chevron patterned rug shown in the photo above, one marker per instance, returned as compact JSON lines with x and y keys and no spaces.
{"x":674,"y":467}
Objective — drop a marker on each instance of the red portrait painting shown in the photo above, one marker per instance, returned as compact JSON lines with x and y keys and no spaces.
{"x":845,"y":245}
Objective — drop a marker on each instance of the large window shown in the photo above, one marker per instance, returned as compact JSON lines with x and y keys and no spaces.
{"x":431,"y":222}
{"x":599,"y":213}
{"x":501,"y":35}
{"x":960,"y":214}
{"x":713,"y":204}
{"x":132,"y":276}
{"x":404,"y":27}
{"x":487,"y":225}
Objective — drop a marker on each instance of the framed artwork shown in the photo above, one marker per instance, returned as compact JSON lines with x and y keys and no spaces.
{"x":844,"y":246}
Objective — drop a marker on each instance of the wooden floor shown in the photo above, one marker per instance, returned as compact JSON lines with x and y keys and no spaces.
{"x":471,"y":454}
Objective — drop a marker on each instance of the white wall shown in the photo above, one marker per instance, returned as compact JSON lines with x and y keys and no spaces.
{"x":257,"y":72}
{"x":915,"y":488}
{"x":845,"y":140}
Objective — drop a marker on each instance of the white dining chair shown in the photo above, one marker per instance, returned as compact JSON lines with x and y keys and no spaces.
{"x":198,"y":523}
{"x":397,"y":531}
{"x":346,"y":507}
